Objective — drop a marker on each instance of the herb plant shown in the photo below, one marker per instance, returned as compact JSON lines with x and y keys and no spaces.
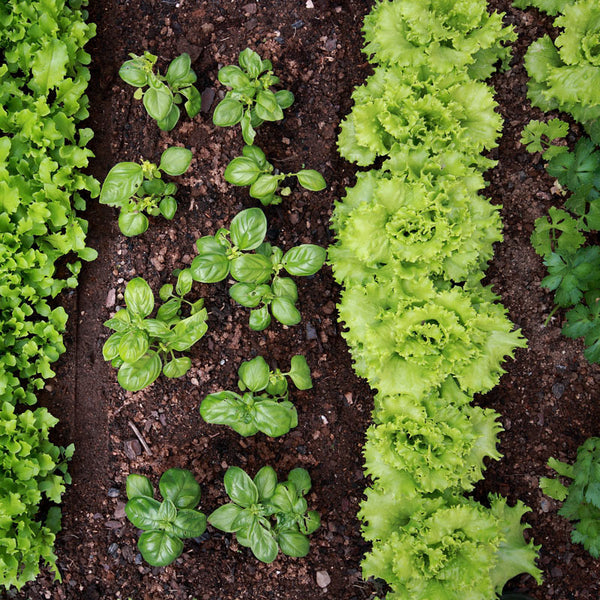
{"x":142,"y":347}
{"x":165,"y":524}
{"x":267,"y":516}
{"x":259,"y":284}
{"x":250,"y":101}
{"x":581,"y":496}
{"x":263,"y":405}
{"x":136,"y":189}
{"x":253,"y":169}
{"x":163,"y":94}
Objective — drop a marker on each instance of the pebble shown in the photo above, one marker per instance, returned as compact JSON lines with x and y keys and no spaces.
{"x":323,"y":579}
{"x":311,"y":332}
{"x":111,"y":298}
{"x":132,"y":449}
{"x":544,"y":505}
{"x":113,"y":492}
{"x":298,"y":24}
{"x":250,"y":9}
{"x":558,"y":390}
{"x":120,"y":511}
{"x":207,"y":97}
{"x":113,"y":549}
{"x":309,"y":4}
{"x":113,"y":524}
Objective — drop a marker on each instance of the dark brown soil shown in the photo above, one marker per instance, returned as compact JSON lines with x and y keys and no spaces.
{"x":548,"y":398}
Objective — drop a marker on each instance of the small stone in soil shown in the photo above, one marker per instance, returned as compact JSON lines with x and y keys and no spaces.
{"x":113,"y":492}
{"x":132,"y":449}
{"x":207,"y":98}
{"x":113,"y":549}
{"x":298,"y":24}
{"x":311,"y":332}
{"x":558,"y":390}
{"x":323,"y":579}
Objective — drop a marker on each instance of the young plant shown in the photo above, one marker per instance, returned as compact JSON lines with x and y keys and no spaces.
{"x":259,"y":285}
{"x":582,"y":496}
{"x":264,"y":404}
{"x":253,"y":169}
{"x":142,"y":347}
{"x":250,"y":101}
{"x":163,"y":94}
{"x":267,"y":516}
{"x":136,"y":189}
{"x":165,"y":524}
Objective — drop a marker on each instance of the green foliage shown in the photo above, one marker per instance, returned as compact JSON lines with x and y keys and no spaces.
{"x":267,"y":516}
{"x":250,"y":101}
{"x":32,"y":471}
{"x":253,"y":169}
{"x":142,"y":347}
{"x":259,"y":285}
{"x":264,"y":404}
{"x":163,"y":94}
{"x":136,"y":189}
{"x":165,"y":524}
{"x":581,"y":496}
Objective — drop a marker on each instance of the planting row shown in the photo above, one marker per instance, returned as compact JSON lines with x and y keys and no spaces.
{"x":43,"y":79}
{"x":413,"y":240}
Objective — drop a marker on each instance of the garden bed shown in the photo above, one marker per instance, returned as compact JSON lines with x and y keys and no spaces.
{"x":547,"y":398}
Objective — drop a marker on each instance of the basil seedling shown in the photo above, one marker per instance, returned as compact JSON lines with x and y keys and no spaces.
{"x":267,"y":516}
{"x":250,"y":101}
{"x":136,"y":189}
{"x":165,"y":524}
{"x":141,"y":346}
{"x":259,"y":286}
{"x":253,"y":169}
{"x":163,"y":94}
{"x":264,"y":404}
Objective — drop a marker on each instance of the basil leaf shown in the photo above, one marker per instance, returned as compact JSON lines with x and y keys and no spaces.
{"x":223,"y":517}
{"x":179,"y":69}
{"x":300,"y":373}
{"x":180,"y":487}
{"x":221,"y":408}
{"x":177,"y":367}
{"x":193,"y":104}
{"x":169,"y":122}
{"x":262,"y":543}
{"x":293,"y":543}
{"x":273,"y":418}
{"x":132,"y":74}
{"x":239,"y":487}
{"x":242,"y":171}
{"x":165,"y":292}
{"x":306,"y":259}
{"x":301,"y":480}
{"x":168,"y":207}
{"x":121,"y":182}
{"x":169,"y":310}
{"x":189,"y":524}
{"x":228,"y":112}
{"x":209,"y":245}
{"x":259,"y":318}
{"x":175,"y":160}
{"x":251,"y":268}
{"x":158,"y":101}
{"x":285,"y":312}
{"x":138,"y":485}
{"x":285,"y":286}
{"x":140,"y":374}
{"x":110,"y":349}
{"x":159,"y":548}
{"x":210,"y":268}
{"x":167,"y":512}
{"x":310,"y":522}
{"x":251,"y":62}
{"x":138,"y":297}
{"x":248,"y":132}
{"x":255,"y":374}
{"x":133,"y":345}
{"x":265,"y":185}
{"x":156,"y":327}
{"x":267,"y":107}
{"x":233,"y":77}
{"x":256,"y":155}
{"x":132,"y":223}
{"x":248,"y":294}
{"x":311,"y":180}
{"x":266,"y":482}
{"x":188,"y":331}
{"x":284,"y":98}
{"x":142,"y":511}
{"x":184,"y":282}
{"x":248,"y":229}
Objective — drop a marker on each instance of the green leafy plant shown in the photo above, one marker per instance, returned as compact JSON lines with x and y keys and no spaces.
{"x":136,"y":189}
{"x":263,"y":405}
{"x":250,"y":101}
{"x":253,"y":169}
{"x":165,"y":524}
{"x":267,"y":516}
{"x":142,"y":347}
{"x":581,"y":496}
{"x":163,"y":94}
{"x":259,"y":284}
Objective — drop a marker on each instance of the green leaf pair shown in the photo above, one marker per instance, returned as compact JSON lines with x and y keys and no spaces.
{"x":259,"y":285}
{"x":267,"y":516}
{"x":163,"y":94}
{"x":165,"y":524}
{"x":250,"y":101}
{"x":136,"y":189}
{"x":269,"y":412}
{"x":253,"y":169}
{"x":142,"y":347}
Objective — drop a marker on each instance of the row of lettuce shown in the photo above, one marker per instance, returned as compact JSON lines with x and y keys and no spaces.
{"x":414,"y":236}
{"x":43,"y":79}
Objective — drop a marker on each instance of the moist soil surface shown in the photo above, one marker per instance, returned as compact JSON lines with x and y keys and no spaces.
{"x":548,"y":399}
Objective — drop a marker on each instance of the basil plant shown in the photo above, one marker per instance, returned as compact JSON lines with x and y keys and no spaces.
{"x":250,"y":101}
{"x":165,"y":524}
{"x":259,"y":283}
{"x":137,"y":189}
{"x":253,"y":169}
{"x":143,"y":347}
{"x":163,"y":94}
{"x":263,"y":405}
{"x":267,"y":516}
